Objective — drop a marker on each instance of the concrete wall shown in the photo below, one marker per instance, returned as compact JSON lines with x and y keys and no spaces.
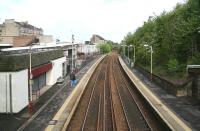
{"x":13,"y":91}
{"x":6,"y":39}
{"x":87,"y":49}
{"x":11,"y":29}
{"x":56,"y":71}
{"x":45,"y":38}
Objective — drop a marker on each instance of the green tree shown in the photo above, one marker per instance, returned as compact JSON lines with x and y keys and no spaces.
{"x":174,"y":36}
{"x":105,"y":47}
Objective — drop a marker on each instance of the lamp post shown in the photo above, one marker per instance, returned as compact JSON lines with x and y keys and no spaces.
{"x":123,"y":50}
{"x":72,"y":52}
{"x":129,"y":51}
{"x":134,"y":55}
{"x":30,"y":105}
{"x":151,"y":58}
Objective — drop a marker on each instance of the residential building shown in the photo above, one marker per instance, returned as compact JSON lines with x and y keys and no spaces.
{"x":12,"y":28}
{"x":96,"y":39}
{"x":21,"y":33}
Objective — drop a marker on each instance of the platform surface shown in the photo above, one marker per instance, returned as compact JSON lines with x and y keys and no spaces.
{"x":185,"y":108}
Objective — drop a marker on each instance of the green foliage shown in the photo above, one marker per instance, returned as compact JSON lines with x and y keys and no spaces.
{"x":194,"y":60}
{"x":174,"y":36}
{"x":172,"y":65}
{"x":105,"y":47}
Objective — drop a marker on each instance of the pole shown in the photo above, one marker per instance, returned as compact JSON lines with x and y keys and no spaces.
{"x":151,"y":49}
{"x":30,"y":83}
{"x":128,"y":54}
{"x":134,"y":55}
{"x":151,"y":61}
{"x":72,"y":52}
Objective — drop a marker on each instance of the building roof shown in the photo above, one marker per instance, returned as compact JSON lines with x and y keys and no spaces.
{"x":99,"y":37}
{"x":26,"y":25}
{"x":22,"y":24}
{"x":6,"y":44}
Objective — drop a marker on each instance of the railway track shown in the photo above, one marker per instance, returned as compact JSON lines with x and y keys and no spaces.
{"x":111,"y":102}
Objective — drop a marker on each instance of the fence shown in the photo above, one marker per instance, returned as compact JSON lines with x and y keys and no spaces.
{"x":172,"y":88}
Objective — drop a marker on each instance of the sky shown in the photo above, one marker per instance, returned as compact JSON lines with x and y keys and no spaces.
{"x":111,"y":19}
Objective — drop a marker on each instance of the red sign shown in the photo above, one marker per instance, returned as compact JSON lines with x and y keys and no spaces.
{"x":41,"y":69}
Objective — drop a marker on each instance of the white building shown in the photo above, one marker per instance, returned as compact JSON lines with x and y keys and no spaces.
{"x":88,"y":49}
{"x":14,"y":85}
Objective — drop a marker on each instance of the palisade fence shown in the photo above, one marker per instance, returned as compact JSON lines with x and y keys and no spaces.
{"x":182,"y":89}
{"x":18,"y":61}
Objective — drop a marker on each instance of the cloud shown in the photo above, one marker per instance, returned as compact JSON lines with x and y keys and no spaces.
{"x":112,"y":19}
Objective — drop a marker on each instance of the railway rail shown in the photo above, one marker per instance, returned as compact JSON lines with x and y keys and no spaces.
{"x":111,"y":102}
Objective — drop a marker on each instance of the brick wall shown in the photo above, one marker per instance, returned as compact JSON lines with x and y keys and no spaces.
{"x":22,"y":40}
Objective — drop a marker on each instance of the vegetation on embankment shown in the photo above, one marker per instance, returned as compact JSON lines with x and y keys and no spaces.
{"x":175,"y":38}
{"x":106,"y":47}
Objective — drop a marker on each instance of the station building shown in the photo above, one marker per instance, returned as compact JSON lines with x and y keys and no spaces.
{"x":48,"y":64}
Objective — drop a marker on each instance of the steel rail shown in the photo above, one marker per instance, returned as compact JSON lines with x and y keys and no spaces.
{"x":120,"y":98}
{"x":99,"y":120}
{"x":90,"y":99}
{"x":111,"y":100}
{"x":42,"y":108}
{"x":134,"y":99}
{"x":108,"y":107}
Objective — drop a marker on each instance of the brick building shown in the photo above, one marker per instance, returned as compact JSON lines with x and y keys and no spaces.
{"x":21,"y":33}
{"x":96,"y":39}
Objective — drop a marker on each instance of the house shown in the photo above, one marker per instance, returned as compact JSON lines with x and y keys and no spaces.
{"x":21,"y":33}
{"x":96,"y":39}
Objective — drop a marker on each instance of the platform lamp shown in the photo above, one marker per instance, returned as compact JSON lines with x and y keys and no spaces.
{"x":30,"y":105}
{"x":134,"y":55}
{"x":129,"y":51}
{"x":123,"y":51}
{"x":72,"y":52}
{"x":151,"y":49}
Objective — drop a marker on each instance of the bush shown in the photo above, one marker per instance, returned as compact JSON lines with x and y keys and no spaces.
{"x":194,"y":60}
{"x":172,"y":65}
{"x":105,"y":48}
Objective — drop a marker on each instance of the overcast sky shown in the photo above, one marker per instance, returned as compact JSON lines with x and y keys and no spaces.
{"x":111,"y":19}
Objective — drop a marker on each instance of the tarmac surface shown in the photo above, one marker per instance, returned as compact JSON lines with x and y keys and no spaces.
{"x":46,"y":107}
{"x":186,"y":108}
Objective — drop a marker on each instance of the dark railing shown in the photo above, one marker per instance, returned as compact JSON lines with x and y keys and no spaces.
{"x":170,"y":87}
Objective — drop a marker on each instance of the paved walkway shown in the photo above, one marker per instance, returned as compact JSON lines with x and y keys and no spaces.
{"x":187,"y":108}
{"x":44,"y":110}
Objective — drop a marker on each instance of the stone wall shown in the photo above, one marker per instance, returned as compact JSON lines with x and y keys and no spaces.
{"x":172,"y":88}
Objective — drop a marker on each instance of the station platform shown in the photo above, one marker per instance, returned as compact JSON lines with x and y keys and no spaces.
{"x":181,"y":113}
{"x":45,"y":107}
{"x":167,"y":106}
{"x":63,"y":116}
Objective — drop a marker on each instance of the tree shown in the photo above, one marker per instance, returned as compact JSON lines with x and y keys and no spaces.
{"x":174,"y":36}
{"x":105,"y":47}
